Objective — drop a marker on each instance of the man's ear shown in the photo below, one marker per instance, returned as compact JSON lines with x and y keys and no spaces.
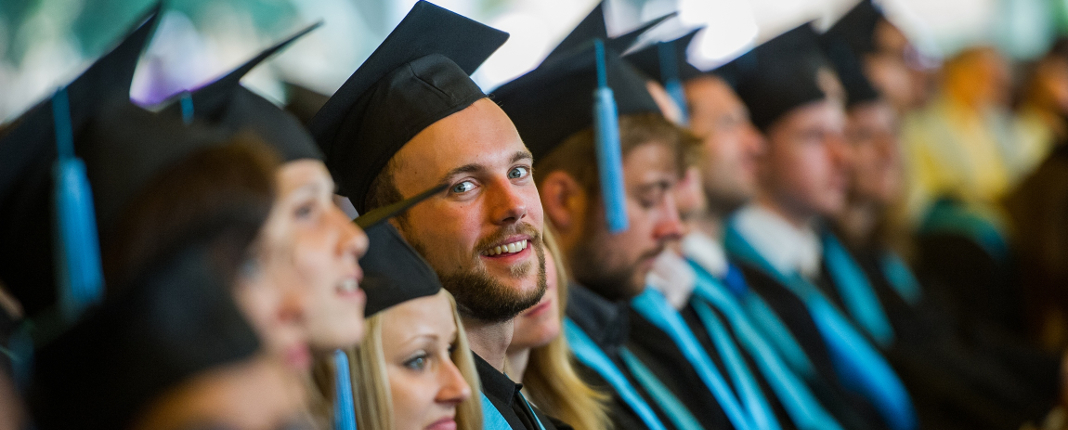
{"x":564,"y":202}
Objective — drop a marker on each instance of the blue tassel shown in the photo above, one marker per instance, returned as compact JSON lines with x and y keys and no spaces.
{"x":344,"y":405}
{"x":669,"y":71}
{"x":609,"y":156}
{"x":77,"y":248}
{"x":186,"y":101}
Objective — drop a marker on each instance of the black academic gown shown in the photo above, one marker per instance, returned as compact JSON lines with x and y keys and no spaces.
{"x":954,"y":385}
{"x":852,"y":410}
{"x":504,"y":395}
{"x":607,"y":324}
{"x":656,"y":349}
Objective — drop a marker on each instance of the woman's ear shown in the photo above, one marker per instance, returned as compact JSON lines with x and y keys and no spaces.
{"x":564,"y":202}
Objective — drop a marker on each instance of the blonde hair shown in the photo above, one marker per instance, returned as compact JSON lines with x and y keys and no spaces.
{"x":370,"y":382}
{"x":550,"y":379}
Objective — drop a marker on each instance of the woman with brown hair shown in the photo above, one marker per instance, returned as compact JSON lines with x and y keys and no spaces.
{"x":539,"y":357}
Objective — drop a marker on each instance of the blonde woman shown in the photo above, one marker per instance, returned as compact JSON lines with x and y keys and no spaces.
{"x":539,"y":357}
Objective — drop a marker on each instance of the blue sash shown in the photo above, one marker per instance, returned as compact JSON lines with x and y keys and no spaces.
{"x":653,"y":307}
{"x":344,"y":403}
{"x":858,"y":296}
{"x":677,"y":413}
{"x":491,"y":417}
{"x":858,"y":364}
{"x":900,"y":277}
{"x":591,"y":355}
{"x":802,"y":406}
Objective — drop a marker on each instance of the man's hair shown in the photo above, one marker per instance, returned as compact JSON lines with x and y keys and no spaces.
{"x":383,"y":190}
{"x":577,"y":155}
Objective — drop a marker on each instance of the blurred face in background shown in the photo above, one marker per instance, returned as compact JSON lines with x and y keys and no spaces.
{"x":540,"y":324}
{"x":804,"y":173}
{"x":872,"y":133}
{"x":730,"y":145}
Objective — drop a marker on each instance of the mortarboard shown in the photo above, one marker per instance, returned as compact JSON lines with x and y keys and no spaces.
{"x":656,"y":59}
{"x":555,"y":100}
{"x":27,"y":153}
{"x":176,"y":321}
{"x":393,"y":271}
{"x":593,"y":27}
{"x":779,"y":75}
{"x":857,"y":27}
{"x":417,"y":76}
{"x":847,"y":64}
{"x":303,"y":102}
{"x":228,"y":104}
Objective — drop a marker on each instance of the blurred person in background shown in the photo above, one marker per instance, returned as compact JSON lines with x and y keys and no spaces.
{"x":1043,"y":107}
{"x":539,"y":358}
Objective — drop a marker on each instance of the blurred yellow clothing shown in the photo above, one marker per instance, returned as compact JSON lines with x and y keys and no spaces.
{"x":952,"y":152}
{"x":1036,"y":139}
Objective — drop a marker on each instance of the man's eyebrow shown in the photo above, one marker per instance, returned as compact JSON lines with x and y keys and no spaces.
{"x":522,"y":155}
{"x":654,"y":186}
{"x":472,"y":168}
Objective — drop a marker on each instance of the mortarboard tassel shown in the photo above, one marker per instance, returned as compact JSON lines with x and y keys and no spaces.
{"x":609,"y":156}
{"x":186,"y":101}
{"x":77,"y":247}
{"x":344,"y":403}
{"x":669,"y":71}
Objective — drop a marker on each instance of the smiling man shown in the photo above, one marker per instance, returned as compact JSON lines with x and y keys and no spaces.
{"x":410,"y":119}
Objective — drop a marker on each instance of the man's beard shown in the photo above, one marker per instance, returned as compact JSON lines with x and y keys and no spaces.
{"x":480,"y":295}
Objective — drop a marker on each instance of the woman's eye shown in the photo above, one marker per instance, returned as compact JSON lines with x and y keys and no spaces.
{"x":416,"y":363}
{"x":518,"y":172}
{"x":304,"y":210}
{"x":463,"y":187}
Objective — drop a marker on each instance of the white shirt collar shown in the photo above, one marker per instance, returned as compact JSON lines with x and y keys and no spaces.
{"x":673,"y":277}
{"x":787,"y":248}
{"x":706,"y":252}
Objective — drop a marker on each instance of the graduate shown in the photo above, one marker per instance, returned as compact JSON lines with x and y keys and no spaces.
{"x":410,"y":119}
{"x":553,"y":109}
{"x":795,"y":99}
{"x":691,"y":278}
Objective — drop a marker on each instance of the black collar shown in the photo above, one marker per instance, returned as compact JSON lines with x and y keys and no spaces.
{"x":496,"y":385}
{"x":604,"y":321}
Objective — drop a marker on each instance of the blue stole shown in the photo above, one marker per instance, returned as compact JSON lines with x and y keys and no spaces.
{"x":859,"y":365}
{"x":344,"y":403}
{"x":493,"y":420}
{"x":654,"y":308}
{"x":805,"y":411}
{"x":676,"y":412}
{"x":900,"y":277}
{"x":592,"y":356}
{"x":856,"y":291}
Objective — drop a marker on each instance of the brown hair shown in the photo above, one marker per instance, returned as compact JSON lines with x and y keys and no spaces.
{"x":577,"y":156}
{"x":233,"y":180}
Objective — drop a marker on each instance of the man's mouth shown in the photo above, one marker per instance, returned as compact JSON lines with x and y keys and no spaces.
{"x":508,"y":248}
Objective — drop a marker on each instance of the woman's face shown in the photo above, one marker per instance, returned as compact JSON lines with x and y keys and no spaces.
{"x":275,"y":306}
{"x":312,"y":243}
{"x":418,"y":338}
{"x":540,"y":324}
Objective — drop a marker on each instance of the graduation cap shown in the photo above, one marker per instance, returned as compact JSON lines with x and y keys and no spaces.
{"x":27,"y":153}
{"x":554,"y":101}
{"x":393,"y":272}
{"x":847,"y":65}
{"x":781,"y":74}
{"x":857,"y":27}
{"x":593,"y":27}
{"x":303,"y":102}
{"x":417,"y":76}
{"x":665,"y":62}
{"x":228,"y":104}
{"x":176,"y":321}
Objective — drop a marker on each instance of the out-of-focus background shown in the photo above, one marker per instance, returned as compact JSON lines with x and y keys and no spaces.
{"x":47,"y":42}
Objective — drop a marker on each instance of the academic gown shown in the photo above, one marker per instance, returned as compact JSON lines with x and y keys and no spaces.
{"x":666,"y":360}
{"x":955,"y":386}
{"x":506,"y":398}
{"x":607,"y":324}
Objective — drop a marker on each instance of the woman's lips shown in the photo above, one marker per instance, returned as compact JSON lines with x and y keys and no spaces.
{"x":447,"y":423}
{"x":538,"y":309}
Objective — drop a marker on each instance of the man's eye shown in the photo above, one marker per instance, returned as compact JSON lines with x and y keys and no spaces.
{"x":463,"y":187}
{"x":518,"y":172}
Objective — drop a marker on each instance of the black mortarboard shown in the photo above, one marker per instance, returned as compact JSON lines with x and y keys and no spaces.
{"x":847,"y":64}
{"x":228,"y":104}
{"x":593,"y":27}
{"x":393,"y":272}
{"x":176,"y":321}
{"x":554,"y":101}
{"x":303,"y":102}
{"x":417,"y":76}
{"x":857,"y":27}
{"x":779,"y":75}
{"x":650,"y":59}
{"x":27,"y":154}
